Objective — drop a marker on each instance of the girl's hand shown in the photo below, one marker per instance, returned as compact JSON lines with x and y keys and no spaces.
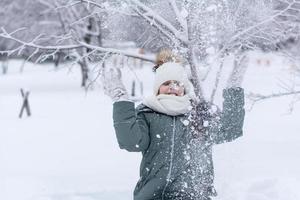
{"x":113,"y":85}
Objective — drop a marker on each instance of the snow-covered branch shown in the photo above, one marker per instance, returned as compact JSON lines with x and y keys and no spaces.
{"x":150,"y":13}
{"x":80,"y":44}
{"x":248,"y":30}
{"x":149,"y":58}
{"x":103,"y":7}
{"x":156,"y":25}
{"x":182,"y":20}
{"x":32,"y":44}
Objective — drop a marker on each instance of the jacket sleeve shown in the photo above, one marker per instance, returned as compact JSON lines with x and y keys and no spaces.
{"x":228,"y":125}
{"x":131,"y":127}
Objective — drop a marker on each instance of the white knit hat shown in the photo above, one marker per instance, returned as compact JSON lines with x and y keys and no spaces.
{"x":172,"y":71}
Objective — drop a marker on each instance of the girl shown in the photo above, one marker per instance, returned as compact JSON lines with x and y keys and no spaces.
{"x":175,"y":133}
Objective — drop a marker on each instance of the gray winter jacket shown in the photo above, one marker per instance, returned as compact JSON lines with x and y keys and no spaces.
{"x":177,"y":164}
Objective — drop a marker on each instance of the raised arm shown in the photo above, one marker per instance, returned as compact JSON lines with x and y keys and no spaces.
{"x":131,"y":127}
{"x":229,"y":124}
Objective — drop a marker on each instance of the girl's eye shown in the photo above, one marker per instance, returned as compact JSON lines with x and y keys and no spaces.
{"x":174,"y":83}
{"x":166,"y":83}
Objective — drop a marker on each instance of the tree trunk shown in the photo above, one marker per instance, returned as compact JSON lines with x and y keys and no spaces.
{"x":84,"y":73}
{"x":4,"y":65}
{"x":217,"y":80}
{"x":195,"y":78}
{"x":239,"y":69}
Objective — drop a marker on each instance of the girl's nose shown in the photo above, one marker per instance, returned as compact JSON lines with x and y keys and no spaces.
{"x":173,"y":89}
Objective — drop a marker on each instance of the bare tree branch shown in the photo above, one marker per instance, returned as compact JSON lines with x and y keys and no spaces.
{"x":254,"y":97}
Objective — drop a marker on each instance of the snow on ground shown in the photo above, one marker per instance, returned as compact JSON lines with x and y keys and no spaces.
{"x":67,"y":150}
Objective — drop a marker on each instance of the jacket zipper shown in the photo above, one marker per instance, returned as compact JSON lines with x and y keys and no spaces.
{"x":171,"y":158}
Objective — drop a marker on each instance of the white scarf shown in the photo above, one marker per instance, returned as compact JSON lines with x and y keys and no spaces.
{"x":169,"y":104}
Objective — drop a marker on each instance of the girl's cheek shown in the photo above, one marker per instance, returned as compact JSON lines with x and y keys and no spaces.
{"x":181,"y":92}
{"x":163,"y":90}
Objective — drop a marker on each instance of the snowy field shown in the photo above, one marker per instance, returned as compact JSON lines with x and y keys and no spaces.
{"x":67,"y":150}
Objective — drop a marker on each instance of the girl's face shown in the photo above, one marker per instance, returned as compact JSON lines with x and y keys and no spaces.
{"x":172,"y":88}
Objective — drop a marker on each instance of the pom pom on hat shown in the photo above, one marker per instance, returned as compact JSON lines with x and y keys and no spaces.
{"x":164,"y":56}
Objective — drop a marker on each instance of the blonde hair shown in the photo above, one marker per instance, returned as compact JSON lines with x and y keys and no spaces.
{"x":166,"y":55}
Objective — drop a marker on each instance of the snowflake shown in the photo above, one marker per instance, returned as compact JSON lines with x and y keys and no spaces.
{"x":187,"y":157}
{"x":213,"y":109}
{"x":211,"y":8}
{"x":210,"y":50}
{"x":185,"y":184}
{"x":205,"y":123}
{"x":185,"y":122}
{"x":184,"y":13}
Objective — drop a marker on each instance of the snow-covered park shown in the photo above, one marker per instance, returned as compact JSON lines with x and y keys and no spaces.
{"x":67,"y":149}
{"x":63,"y":63}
